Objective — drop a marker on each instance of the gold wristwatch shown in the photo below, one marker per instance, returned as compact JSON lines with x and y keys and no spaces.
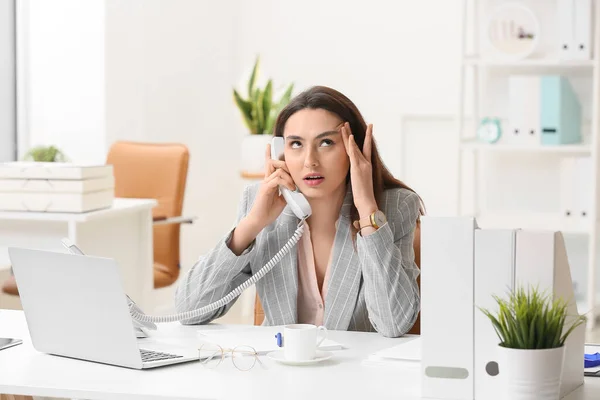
{"x":377,"y":219}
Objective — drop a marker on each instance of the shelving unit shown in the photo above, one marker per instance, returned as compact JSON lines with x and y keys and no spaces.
{"x":476,"y":70}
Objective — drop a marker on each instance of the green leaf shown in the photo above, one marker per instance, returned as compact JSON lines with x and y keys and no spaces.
{"x":267,"y":102}
{"x":245,"y":109}
{"x":260,"y":111}
{"x":253,"y":76}
{"x":45,"y":154}
{"x":529,"y":319}
{"x":285,"y":98}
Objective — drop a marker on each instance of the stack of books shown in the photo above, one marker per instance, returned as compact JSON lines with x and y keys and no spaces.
{"x":55,"y":187}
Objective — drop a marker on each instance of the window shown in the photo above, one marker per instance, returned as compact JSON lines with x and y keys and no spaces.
{"x":8,"y":108}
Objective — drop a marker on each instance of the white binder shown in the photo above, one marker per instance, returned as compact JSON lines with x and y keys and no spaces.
{"x":583,"y":192}
{"x":447,"y":304}
{"x":565,"y":15}
{"x":568,"y":193}
{"x":494,"y":275}
{"x":524,"y":111}
{"x":541,"y":260}
{"x":574,"y":29}
{"x":582,"y":23}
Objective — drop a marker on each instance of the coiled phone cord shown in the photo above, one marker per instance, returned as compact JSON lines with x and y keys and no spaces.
{"x":229,"y":297}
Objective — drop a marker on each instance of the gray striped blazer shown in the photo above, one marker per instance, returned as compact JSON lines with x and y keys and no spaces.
{"x":372,"y":285}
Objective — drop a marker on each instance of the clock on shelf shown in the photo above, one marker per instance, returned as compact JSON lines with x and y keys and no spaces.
{"x":489,"y":130}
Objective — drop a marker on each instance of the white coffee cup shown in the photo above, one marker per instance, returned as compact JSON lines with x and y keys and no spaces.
{"x":300,"y":341}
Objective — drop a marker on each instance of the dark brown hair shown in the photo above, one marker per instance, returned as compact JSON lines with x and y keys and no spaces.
{"x":322,"y":97}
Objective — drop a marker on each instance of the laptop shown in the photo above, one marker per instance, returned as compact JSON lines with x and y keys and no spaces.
{"x":75,"y":307}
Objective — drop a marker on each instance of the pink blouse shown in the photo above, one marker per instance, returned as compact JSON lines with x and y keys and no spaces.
{"x":311,"y":302}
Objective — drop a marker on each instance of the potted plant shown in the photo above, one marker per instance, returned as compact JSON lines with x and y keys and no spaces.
{"x":532,"y":328}
{"x":45,"y":154}
{"x":259,"y":112}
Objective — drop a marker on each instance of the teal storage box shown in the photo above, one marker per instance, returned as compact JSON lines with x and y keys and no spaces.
{"x":560,"y":111}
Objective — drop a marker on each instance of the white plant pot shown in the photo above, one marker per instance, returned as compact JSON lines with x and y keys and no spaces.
{"x":253,"y":154}
{"x":531,"y":374}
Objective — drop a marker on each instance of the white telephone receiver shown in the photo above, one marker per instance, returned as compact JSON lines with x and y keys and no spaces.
{"x":295,"y":200}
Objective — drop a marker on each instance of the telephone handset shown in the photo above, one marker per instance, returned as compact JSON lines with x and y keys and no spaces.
{"x":301,"y":209}
{"x":296,"y":199}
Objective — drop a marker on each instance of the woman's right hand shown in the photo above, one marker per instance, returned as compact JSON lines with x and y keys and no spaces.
{"x":269,"y":204}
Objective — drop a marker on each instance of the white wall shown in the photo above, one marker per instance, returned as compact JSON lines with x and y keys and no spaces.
{"x":157,"y":70}
{"x":64,"y":90}
{"x":390,"y":57}
{"x":170,"y":68}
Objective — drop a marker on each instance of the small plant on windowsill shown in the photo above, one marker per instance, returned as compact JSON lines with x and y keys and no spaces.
{"x":45,"y":154}
{"x":533,"y":328}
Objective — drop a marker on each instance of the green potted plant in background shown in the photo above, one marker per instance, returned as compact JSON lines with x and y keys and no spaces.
{"x":259,"y":111}
{"x":45,"y":154}
{"x":532,"y":328}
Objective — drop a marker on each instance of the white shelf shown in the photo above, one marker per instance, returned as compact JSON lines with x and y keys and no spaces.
{"x":528,"y":63}
{"x":530,"y":221}
{"x":566,"y":149}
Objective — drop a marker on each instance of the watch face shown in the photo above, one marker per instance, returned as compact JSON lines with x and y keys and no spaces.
{"x":380,"y":218}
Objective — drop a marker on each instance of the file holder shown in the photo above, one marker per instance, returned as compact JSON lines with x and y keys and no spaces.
{"x":462,"y":267}
{"x":560,"y":111}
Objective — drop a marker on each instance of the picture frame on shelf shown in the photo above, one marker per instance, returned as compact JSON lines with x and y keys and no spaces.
{"x":512,"y":31}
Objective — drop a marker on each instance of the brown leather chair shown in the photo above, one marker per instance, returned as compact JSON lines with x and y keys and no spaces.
{"x":259,"y":313}
{"x":152,"y":171}
{"x":14,"y":397}
{"x":155,"y":171}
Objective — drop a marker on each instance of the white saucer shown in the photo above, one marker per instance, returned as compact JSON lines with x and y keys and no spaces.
{"x":320,"y":356}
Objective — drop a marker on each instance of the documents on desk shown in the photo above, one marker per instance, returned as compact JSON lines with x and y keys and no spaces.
{"x":261,"y":338}
{"x":406,"y":354}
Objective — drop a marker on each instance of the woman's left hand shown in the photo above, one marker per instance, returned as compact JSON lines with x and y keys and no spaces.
{"x":361,"y":171}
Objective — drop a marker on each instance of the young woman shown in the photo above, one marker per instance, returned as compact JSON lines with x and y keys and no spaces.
{"x":346,"y":272}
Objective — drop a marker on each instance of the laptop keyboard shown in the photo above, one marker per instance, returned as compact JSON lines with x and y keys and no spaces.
{"x":149,"y":355}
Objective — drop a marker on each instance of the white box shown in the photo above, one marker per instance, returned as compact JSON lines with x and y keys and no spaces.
{"x":447,"y":307}
{"x":523,"y":111}
{"x":40,"y":170}
{"x":494,"y":275}
{"x":56,"y":202}
{"x":56,"y":185}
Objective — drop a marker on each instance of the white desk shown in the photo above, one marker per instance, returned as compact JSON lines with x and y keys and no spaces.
{"x":123,"y":232}
{"x":27,"y":372}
